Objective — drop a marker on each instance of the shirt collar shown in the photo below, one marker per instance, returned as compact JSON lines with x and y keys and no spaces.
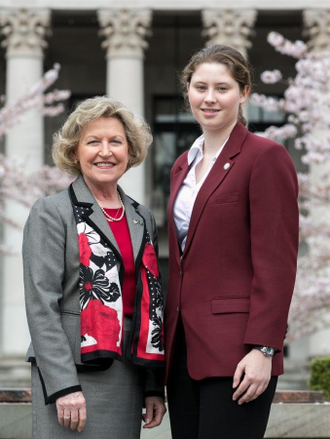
{"x":196,"y":150}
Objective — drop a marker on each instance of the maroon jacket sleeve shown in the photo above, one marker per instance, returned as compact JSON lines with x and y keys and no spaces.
{"x":274,"y":222}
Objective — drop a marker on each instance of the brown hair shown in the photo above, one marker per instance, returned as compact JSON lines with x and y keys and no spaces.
{"x":231,"y":58}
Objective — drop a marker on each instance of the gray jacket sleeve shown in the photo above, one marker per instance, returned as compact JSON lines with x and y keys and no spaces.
{"x":44,"y":244}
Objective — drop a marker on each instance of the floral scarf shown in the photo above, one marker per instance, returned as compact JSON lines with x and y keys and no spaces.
{"x":101,"y":304}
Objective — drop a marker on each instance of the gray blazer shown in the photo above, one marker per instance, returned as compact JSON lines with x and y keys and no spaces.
{"x":51,"y":280}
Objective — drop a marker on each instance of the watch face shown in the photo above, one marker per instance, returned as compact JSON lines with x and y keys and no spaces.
{"x":268,"y":350}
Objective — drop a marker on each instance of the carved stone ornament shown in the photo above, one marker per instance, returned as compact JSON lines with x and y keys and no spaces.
{"x":124,"y":30}
{"x":229,"y":27}
{"x":24,"y":30}
{"x":317,"y":28}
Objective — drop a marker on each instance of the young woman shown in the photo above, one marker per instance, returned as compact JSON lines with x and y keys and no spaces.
{"x":233,"y":234}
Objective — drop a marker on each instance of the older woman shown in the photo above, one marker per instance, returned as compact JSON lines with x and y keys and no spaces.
{"x":92,"y":286}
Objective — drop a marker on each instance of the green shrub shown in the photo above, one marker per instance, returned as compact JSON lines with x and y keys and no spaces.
{"x":320,"y":376}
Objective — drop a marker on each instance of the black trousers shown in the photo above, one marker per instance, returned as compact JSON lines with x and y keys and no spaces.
{"x":205,"y":409}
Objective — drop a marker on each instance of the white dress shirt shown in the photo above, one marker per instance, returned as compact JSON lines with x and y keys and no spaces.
{"x":188,"y":192}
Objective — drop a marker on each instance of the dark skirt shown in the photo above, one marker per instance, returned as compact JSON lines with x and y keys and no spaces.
{"x":114,"y":400}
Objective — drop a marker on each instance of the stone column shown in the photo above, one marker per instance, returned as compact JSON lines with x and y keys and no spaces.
{"x":25,"y":31}
{"x":229,"y":27}
{"x":24,"y":34}
{"x":317,"y":28}
{"x":125,"y":32}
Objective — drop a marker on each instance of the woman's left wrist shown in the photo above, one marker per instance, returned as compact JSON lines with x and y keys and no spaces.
{"x":268,"y":351}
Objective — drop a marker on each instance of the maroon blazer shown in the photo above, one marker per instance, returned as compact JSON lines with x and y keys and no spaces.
{"x":234,"y":281}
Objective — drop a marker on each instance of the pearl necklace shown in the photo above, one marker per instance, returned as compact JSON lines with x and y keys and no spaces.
{"x":110,"y":218}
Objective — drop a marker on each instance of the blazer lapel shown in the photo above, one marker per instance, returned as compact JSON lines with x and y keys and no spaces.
{"x":93,"y":213}
{"x":221,"y":168}
{"x":177,"y":180}
{"x":135,"y":221}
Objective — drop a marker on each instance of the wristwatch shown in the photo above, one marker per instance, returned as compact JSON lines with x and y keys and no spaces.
{"x":266,"y":350}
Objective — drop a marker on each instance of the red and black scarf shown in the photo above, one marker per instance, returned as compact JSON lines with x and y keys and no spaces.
{"x":101,"y":304}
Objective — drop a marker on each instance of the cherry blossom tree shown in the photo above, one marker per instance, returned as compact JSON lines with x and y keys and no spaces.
{"x":306,"y":103}
{"x":50,"y":103}
{"x":25,"y":189}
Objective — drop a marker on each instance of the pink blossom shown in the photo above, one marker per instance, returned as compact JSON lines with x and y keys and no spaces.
{"x":56,"y":95}
{"x":10,"y":114}
{"x":297,"y":49}
{"x":275,"y":39}
{"x":17,"y":186}
{"x":25,"y":189}
{"x":281,"y":133}
{"x":53,"y":111}
{"x":271,"y":77}
{"x":266,"y":102}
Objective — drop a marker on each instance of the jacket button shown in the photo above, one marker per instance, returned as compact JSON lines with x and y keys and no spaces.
{"x":180,"y":273}
{"x":177,"y":309}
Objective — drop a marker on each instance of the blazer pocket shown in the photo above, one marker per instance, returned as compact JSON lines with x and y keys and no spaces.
{"x":225,"y":198}
{"x":234,"y":305}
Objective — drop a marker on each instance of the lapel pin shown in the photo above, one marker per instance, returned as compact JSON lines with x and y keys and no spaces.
{"x":138,"y":222}
{"x":226,"y":166}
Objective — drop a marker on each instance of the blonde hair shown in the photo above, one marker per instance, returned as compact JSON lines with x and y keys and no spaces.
{"x":231,"y":58}
{"x":66,"y":140}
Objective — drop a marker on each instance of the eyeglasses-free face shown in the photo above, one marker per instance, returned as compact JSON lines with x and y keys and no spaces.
{"x":103,"y":152}
{"x":215,"y":96}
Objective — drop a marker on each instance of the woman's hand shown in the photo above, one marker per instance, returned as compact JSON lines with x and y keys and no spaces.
{"x":155,"y":411}
{"x":71,"y":411}
{"x":256,"y":369}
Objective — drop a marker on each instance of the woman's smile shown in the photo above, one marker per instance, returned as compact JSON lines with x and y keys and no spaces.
{"x":210,"y":112}
{"x":105,"y":165}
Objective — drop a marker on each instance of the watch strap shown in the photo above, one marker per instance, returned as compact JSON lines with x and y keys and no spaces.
{"x":266,"y":350}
